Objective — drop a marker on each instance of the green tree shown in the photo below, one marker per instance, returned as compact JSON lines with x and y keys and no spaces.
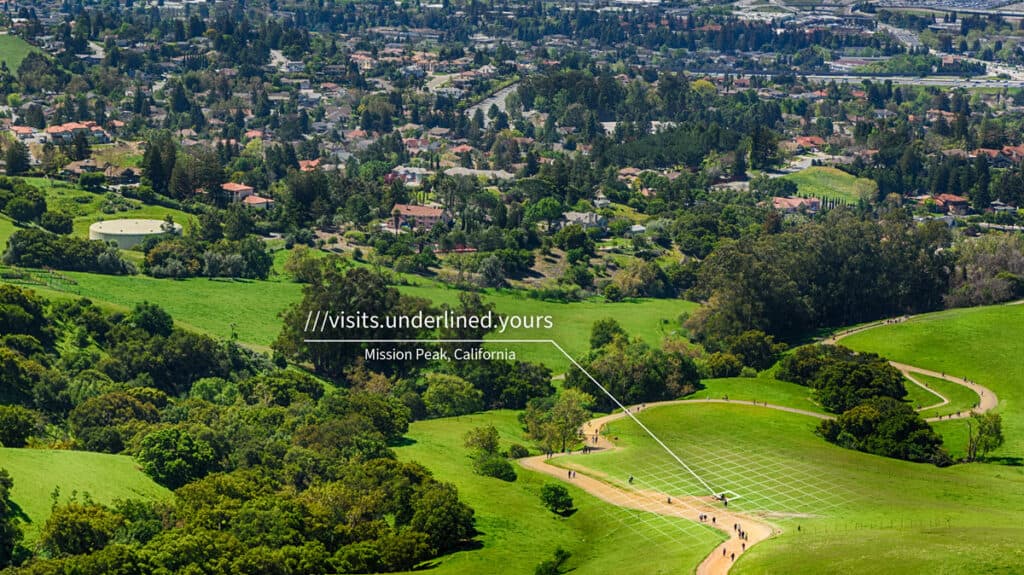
{"x":604,"y":331}
{"x":984,"y":434}
{"x":438,"y":512}
{"x":756,"y":349}
{"x":449,"y":396}
{"x":482,"y":439}
{"x":10,"y":532}
{"x":57,"y":222}
{"x":556,"y":498}
{"x":78,"y":528}
{"x":17,"y":158}
{"x":16,"y":425}
{"x":174,"y":457}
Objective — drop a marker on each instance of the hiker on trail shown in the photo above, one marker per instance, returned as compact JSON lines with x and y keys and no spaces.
{"x":723,"y":552}
{"x":569,"y":473}
{"x":732,"y":556}
{"x":712,"y":520}
{"x":669,"y":500}
{"x":743,"y":546}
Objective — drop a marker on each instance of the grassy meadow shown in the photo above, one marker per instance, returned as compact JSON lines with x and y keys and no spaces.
{"x":37,"y":473}
{"x":13,"y":50}
{"x":826,"y":182}
{"x":517,"y":532}
{"x":983,"y":344}
{"x":857,"y":513}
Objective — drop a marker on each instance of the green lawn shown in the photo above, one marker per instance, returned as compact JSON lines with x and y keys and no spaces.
{"x":517,"y":532}
{"x":103,"y":477}
{"x":857,"y":513}
{"x":984,"y":344}
{"x":87,"y":208}
{"x":6,"y":229}
{"x":960,"y":398}
{"x":760,"y":388}
{"x":13,"y":50}
{"x":826,"y":182}
{"x":649,"y":319}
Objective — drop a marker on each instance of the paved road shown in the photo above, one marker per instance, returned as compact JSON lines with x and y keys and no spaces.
{"x":497,"y":98}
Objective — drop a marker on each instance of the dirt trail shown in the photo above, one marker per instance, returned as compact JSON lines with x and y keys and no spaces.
{"x":987,"y":399}
{"x":687,"y":507}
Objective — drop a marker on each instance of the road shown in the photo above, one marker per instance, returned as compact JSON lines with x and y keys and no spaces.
{"x":497,"y":98}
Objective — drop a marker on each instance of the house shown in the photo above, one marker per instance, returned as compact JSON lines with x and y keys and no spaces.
{"x":486,"y":174}
{"x":23,"y":132}
{"x":421,"y":217}
{"x":953,"y":204}
{"x":120,"y":176}
{"x":794,"y":205}
{"x":257,"y":202}
{"x":412,"y":176}
{"x":635,"y":230}
{"x":238,"y":192}
{"x":73,"y":170}
{"x":587,"y":220}
{"x":309,"y":165}
{"x":813,"y":143}
{"x":996,"y":158}
{"x":601,"y":200}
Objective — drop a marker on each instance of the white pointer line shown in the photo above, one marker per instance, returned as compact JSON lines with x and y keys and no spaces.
{"x":566,"y":354}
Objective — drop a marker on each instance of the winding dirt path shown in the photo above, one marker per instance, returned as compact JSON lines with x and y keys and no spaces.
{"x":720,"y":560}
{"x":987,"y":399}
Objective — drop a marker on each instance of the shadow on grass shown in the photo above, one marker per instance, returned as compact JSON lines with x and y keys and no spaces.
{"x":1009,"y":461}
{"x":403,"y":442}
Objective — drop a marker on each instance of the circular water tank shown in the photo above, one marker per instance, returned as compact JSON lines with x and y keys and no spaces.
{"x":129,"y":233}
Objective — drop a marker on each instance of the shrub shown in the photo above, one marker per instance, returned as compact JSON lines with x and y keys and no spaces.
{"x":495,"y":466}
{"x":556,"y":498}
{"x":517,"y":451}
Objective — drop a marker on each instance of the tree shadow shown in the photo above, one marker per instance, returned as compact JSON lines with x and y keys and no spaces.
{"x":403,"y":442}
{"x":17,"y":512}
{"x":1007,"y":460}
{"x":568,"y":513}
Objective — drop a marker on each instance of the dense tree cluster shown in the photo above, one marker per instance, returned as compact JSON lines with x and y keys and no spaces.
{"x":841,"y":378}
{"x":271,"y":467}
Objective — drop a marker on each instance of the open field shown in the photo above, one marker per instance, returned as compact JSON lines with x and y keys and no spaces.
{"x":763,"y":388}
{"x":212,"y":306}
{"x":87,"y":207}
{"x":649,"y":319}
{"x":983,"y":344}
{"x":7,"y":228}
{"x":13,"y":50}
{"x":517,"y":532}
{"x":103,"y":477}
{"x":960,"y":398}
{"x":825,"y":182}
{"x":853,"y":509}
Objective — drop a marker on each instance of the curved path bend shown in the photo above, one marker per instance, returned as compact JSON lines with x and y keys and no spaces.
{"x":720,"y":560}
{"x":987,"y":399}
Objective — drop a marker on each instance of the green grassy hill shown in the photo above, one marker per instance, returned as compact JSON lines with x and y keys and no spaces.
{"x":213,"y":306}
{"x":982,"y":343}
{"x":517,"y":532}
{"x":857,"y":513}
{"x":13,"y":50}
{"x":826,"y":182}
{"x":38,"y":472}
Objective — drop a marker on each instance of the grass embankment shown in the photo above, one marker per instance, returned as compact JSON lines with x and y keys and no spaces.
{"x":761,"y":388}
{"x":983,"y":344}
{"x":826,"y":182}
{"x":13,"y":50}
{"x":37,"y":473}
{"x":858,"y":513}
{"x":517,"y":532}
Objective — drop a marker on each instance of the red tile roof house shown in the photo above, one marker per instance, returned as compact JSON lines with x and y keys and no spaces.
{"x":258,"y":202}
{"x":238,"y":192}
{"x":422,"y":217}
{"x":793,"y":205}
{"x":953,"y":204}
{"x":809,"y":142}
